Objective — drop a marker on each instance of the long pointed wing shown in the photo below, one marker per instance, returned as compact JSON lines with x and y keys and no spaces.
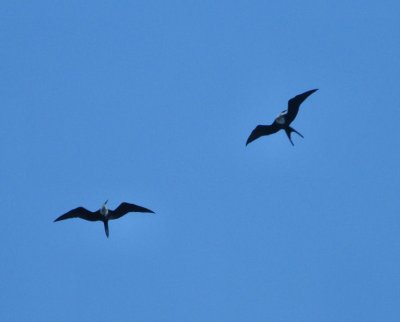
{"x":294,"y":104}
{"x":80,"y":212}
{"x":124,"y":208}
{"x":262,"y":130}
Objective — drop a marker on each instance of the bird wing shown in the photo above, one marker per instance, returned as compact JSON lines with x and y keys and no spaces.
{"x":262,"y":130}
{"x":82,"y":213}
{"x":124,"y":208}
{"x":294,"y":104}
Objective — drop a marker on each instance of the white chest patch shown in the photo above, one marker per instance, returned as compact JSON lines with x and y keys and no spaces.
{"x":280,"y":119}
{"x":104,"y":211}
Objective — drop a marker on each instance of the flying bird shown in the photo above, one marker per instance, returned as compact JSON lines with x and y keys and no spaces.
{"x":103,"y":214}
{"x":282,"y":122}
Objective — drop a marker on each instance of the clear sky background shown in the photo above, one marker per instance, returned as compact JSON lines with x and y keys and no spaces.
{"x":151,"y":102}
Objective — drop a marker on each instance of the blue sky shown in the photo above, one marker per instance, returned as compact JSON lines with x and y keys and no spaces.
{"x":151,"y":102}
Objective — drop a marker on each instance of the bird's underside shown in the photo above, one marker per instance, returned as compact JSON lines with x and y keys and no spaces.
{"x":120,"y":211}
{"x":283,"y":121}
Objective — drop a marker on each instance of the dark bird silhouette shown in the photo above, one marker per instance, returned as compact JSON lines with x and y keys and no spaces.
{"x":282,"y":122}
{"x":103,"y":214}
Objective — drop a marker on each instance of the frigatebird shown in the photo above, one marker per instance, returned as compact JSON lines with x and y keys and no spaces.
{"x":282,"y":122}
{"x":103,"y":214}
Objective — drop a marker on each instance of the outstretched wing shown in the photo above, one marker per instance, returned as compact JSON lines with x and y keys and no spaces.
{"x":82,"y":213}
{"x":262,"y":130}
{"x":124,"y":208}
{"x":294,"y":104}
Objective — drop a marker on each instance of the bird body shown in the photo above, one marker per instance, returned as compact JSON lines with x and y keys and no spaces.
{"x":280,"y":119}
{"x":283,"y":120}
{"x":103,"y":214}
{"x":104,"y":209}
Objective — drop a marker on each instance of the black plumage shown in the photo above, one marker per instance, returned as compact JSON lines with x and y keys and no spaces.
{"x":103,"y":214}
{"x":283,"y":121}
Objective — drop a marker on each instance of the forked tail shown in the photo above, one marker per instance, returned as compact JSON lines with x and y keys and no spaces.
{"x":289,"y":131}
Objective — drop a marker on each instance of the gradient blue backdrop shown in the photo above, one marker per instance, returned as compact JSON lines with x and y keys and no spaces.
{"x":151,"y":102}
